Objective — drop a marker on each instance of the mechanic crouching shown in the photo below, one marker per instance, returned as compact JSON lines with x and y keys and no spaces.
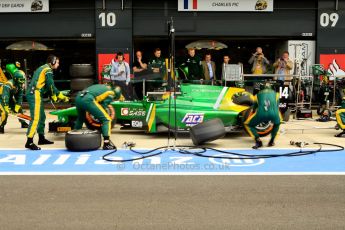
{"x":340,"y":115}
{"x":95,"y":99}
{"x":266,"y":109}
{"x":11,"y":97}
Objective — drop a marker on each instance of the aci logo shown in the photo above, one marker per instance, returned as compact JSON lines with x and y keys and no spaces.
{"x":236,"y":162}
{"x":191,"y":119}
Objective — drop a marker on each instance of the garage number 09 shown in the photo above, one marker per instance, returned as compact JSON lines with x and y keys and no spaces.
{"x":326,"y":18}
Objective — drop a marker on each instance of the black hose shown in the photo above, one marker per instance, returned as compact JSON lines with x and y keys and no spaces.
{"x":186,"y":150}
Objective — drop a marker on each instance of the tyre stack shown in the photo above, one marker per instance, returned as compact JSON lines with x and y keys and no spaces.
{"x":82,"y":76}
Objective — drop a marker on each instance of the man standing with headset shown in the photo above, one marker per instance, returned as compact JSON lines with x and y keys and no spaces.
{"x":41,"y":83}
{"x":120,"y":75}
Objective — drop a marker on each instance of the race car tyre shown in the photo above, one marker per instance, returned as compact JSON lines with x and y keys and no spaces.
{"x":83,"y":140}
{"x":320,"y":110}
{"x":80,"y":83}
{"x":286,"y":115}
{"x":73,"y":96}
{"x":207,"y":131}
{"x":93,"y":124}
{"x":81,"y":71}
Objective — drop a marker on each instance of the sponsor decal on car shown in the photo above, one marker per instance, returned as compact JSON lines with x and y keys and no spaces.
{"x":137,"y":124}
{"x":191,"y":119}
{"x":133,"y":112}
{"x":124,"y":111}
{"x":137,"y":112}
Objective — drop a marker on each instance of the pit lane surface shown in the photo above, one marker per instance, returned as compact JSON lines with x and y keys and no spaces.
{"x":175,"y":202}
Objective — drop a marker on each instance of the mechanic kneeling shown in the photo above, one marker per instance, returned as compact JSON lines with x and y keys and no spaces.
{"x":95,"y":99}
{"x":266,"y":108}
{"x":340,"y":115}
{"x":11,"y":96}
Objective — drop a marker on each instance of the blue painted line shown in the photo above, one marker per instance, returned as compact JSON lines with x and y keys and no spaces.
{"x":170,"y":162}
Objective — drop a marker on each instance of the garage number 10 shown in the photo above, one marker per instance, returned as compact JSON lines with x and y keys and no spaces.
{"x":107,"y":19}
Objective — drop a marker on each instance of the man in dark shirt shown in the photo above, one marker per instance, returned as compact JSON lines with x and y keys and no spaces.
{"x":192,"y":66}
{"x":157,"y":64}
{"x":139,"y":64}
{"x":157,"y":68}
{"x":140,"y":73}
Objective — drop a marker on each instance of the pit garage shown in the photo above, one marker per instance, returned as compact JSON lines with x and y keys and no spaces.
{"x":165,"y":173}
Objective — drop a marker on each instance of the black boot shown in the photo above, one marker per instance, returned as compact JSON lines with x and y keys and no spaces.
{"x":2,"y":129}
{"x":43,"y":141}
{"x":108,"y":145}
{"x":24,"y":125}
{"x":271,"y":143}
{"x":258,"y":143}
{"x":30,"y":145}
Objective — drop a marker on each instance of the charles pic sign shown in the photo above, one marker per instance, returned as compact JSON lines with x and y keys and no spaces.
{"x":24,"y":6}
{"x":226,"y":5}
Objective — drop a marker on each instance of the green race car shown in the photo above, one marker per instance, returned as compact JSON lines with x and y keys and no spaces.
{"x":191,"y":105}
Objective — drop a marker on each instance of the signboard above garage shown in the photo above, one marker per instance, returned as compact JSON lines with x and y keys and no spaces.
{"x":226,"y":5}
{"x":21,"y":6}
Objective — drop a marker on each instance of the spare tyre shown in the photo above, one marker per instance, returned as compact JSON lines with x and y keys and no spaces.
{"x":83,"y":140}
{"x":207,"y":131}
{"x":80,"y":83}
{"x":81,"y":71}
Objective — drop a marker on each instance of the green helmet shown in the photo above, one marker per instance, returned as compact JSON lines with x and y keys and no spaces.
{"x":265,"y":85}
{"x":117,"y":91}
{"x":19,"y":77}
{"x":11,"y":68}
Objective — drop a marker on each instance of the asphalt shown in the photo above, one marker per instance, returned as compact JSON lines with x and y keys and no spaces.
{"x":172,"y":202}
{"x":175,"y":202}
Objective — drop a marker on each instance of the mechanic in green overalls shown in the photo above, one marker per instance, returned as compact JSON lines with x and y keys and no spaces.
{"x":340,"y":115}
{"x":95,"y":99}
{"x":266,"y":108}
{"x":41,"y":83}
{"x":11,"y":96}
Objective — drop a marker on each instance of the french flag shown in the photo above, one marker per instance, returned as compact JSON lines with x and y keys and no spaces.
{"x":190,"y":4}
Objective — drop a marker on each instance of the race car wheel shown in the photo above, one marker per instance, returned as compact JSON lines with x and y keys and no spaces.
{"x":81,"y":71}
{"x":286,"y":115}
{"x":80,"y":83}
{"x":83,"y":140}
{"x":263,"y":128}
{"x":94,"y":124}
{"x":207,"y":131}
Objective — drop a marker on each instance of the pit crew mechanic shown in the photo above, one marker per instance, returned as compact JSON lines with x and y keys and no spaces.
{"x":340,"y":115}
{"x":266,"y":108}
{"x":94,"y":100}
{"x":41,"y":83}
{"x":11,"y":96}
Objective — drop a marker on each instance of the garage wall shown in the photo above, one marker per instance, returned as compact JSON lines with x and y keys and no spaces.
{"x":282,"y":21}
{"x":65,"y":19}
{"x":330,"y":36}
